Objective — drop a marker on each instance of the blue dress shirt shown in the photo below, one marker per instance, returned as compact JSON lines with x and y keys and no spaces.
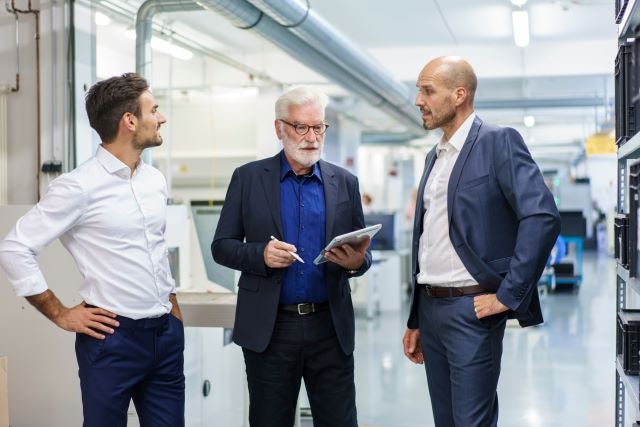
{"x":302,"y":212}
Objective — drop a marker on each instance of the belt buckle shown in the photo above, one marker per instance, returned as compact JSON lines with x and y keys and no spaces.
{"x":427,"y":288}
{"x":306,"y":310}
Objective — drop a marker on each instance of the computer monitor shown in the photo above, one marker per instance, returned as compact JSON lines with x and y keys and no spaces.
{"x":384,"y":240}
{"x":206,"y":215}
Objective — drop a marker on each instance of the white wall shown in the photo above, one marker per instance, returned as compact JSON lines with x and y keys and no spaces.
{"x":22,"y":106}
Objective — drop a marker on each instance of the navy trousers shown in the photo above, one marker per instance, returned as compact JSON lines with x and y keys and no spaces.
{"x":462,"y":358}
{"x":301,"y":347}
{"x":142,"y":360}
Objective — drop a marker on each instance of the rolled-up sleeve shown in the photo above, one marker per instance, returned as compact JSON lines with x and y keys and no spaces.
{"x":56,"y":213}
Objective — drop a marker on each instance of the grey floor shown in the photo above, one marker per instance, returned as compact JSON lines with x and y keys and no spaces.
{"x":559,"y":374}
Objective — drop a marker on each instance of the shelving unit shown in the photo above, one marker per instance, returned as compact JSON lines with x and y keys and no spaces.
{"x":630,"y":383}
{"x":627,"y":288}
{"x":630,"y":20}
{"x":627,"y":386}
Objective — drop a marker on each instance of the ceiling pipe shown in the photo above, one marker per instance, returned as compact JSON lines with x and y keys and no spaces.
{"x":299,"y":19}
{"x":144,"y":29}
{"x":245,"y":16}
{"x":145,"y":18}
{"x":541,"y":103}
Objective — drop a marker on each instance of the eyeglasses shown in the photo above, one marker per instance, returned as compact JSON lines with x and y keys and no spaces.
{"x":302,"y":129}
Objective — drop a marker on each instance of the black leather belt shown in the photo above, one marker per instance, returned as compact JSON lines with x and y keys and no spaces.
{"x":443,"y":292}
{"x":304,"y":308}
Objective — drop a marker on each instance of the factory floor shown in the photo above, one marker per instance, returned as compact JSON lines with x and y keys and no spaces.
{"x":559,"y":374}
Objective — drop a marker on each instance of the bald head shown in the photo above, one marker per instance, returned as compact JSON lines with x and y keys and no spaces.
{"x":453,"y":72}
{"x":446,"y":88}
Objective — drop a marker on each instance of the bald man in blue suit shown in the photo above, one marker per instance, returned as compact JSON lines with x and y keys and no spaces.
{"x":484,"y":226}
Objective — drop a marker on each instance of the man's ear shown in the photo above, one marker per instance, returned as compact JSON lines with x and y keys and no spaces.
{"x":278,"y":126}
{"x":129,"y":121}
{"x":461,"y":96}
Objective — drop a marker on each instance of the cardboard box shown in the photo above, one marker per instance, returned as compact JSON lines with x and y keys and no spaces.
{"x":4,"y":392}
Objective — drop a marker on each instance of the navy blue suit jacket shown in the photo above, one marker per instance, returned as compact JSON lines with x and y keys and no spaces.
{"x":250,"y":214}
{"x":503,"y":220}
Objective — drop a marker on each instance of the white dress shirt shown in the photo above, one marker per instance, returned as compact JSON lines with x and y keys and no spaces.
{"x":112,"y":223}
{"x":439,"y":263}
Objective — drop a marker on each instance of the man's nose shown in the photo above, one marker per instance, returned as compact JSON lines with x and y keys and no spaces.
{"x":310,"y":136}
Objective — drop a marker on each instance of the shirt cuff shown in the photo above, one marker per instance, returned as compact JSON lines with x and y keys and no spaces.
{"x":32,"y":285}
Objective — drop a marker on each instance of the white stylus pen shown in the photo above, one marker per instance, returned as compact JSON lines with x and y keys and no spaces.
{"x":295,"y":255}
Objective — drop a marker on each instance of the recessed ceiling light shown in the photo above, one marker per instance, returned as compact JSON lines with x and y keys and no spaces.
{"x":529,"y":121}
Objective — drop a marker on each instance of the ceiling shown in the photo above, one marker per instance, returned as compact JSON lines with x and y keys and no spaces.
{"x":570,"y":57}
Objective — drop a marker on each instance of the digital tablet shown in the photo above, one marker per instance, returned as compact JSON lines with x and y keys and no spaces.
{"x":354,"y":237}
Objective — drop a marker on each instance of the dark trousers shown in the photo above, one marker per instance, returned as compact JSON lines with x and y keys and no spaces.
{"x":301,"y":347}
{"x":462,"y":358}
{"x":142,"y":360}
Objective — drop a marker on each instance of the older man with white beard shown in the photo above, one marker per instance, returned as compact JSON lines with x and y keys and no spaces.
{"x":294,"y":319}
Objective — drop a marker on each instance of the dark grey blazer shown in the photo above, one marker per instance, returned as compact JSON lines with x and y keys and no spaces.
{"x":250,"y":214}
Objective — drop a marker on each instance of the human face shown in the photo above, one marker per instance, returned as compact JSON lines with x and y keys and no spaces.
{"x":301,"y":151}
{"x":436,"y":101}
{"x":147,"y":133}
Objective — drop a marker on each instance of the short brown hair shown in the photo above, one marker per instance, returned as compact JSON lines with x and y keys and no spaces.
{"x":109,"y":99}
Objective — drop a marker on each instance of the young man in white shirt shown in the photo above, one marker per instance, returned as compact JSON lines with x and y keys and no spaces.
{"x":110,"y":215}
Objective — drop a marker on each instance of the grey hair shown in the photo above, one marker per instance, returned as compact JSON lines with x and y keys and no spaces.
{"x":300,"y":95}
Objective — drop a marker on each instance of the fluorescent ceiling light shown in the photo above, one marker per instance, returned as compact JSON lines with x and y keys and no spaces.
{"x":529,"y":121}
{"x":518,"y":3}
{"x":102,"y":19}
{"x":520,"y":20}
{"x":171,"y":49}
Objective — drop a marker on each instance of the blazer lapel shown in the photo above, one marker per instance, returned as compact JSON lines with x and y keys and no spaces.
{"x":462,"y":158}
{"x":271,"y":184}
{"x":330,"y":197}
{"x":419,"y":212}
{"x":429,"y":161}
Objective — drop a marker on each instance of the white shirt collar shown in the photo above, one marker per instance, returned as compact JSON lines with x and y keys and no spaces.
{"x":458,"y":138}
{"x":114,"y":165}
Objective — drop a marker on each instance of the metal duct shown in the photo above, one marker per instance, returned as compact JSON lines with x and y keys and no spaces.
{"x":245,"y":16}
{"x":318,"y":33}
{"x":144,"y":29}
{"x":542,"y":103}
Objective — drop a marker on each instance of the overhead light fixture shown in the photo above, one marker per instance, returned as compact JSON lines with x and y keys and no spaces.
{"x":529,"y":121}
{"x":101,"y":19}
{"x":171,"y":49}
{"x":520,"y":20}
